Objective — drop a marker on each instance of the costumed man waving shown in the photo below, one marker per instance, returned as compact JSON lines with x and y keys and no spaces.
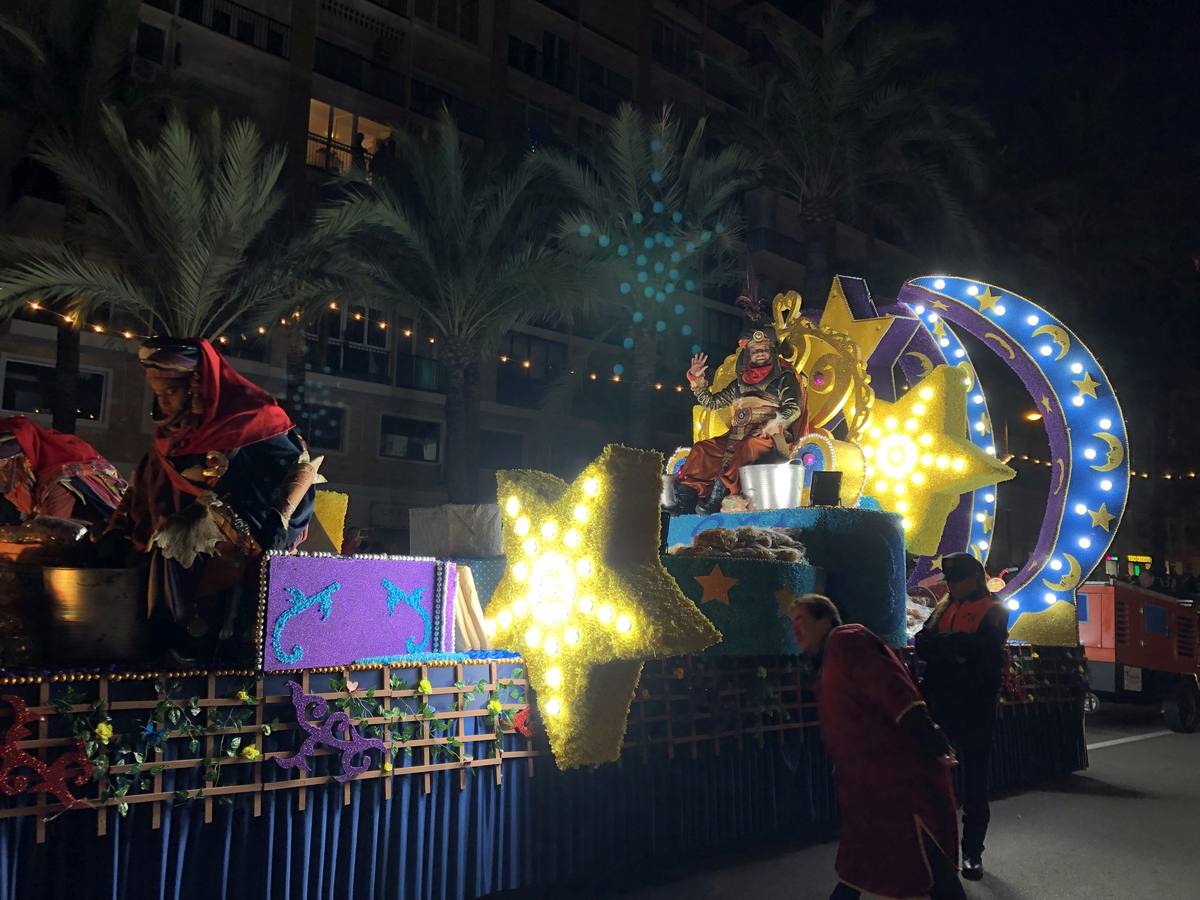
{"x":44,"y":472}
{"x":227,"y":478}
{"x":962,"y":646}
{"x":769,"y":412}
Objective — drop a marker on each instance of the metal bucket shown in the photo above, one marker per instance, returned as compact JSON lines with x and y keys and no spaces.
{"x":96,"y":615}
{"x":774,"y":486}
{"x":667,"y":498}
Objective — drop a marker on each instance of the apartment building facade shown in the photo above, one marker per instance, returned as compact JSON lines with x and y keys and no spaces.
{"x":333,"y":79}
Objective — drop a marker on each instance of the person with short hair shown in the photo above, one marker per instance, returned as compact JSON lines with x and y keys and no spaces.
{"x":962,"y":646}
{"x":899,"y":828}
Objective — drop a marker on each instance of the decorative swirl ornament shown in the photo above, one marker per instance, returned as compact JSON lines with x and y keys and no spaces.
{"x":1088,"y":441}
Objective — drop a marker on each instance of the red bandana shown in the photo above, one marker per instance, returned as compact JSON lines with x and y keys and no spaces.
{"x":756,"y":374}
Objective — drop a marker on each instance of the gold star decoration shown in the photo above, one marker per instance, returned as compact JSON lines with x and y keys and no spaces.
{"x":1102,"y":518}
{"x":919,"y":461}
{"x":717,"y":586}
{"x":1087,"y":385}
{"x":585,"y":599}
{"x":1046,"y":403}
{"x":988,"y":521}
{"x":988,"y":300}
{"x":938,"y":304}
{"x":866,"y":333}
{"x":785,"y":597}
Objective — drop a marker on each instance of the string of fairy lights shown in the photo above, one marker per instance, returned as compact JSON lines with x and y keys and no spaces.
{"x":262,"y":330}
{"x":1166,"y":476}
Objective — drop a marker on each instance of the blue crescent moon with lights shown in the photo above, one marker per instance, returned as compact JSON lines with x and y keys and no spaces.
{"x":1089,"y":449}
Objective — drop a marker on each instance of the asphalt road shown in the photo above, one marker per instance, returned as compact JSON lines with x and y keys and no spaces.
{"x":1126,"y":829}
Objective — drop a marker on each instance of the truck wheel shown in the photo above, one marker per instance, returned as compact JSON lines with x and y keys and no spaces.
{"x":1182,"y":708}
{"x":1091,"y":703}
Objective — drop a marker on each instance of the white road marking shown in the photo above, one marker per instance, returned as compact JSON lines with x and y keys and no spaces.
{"x":1127,"y":740}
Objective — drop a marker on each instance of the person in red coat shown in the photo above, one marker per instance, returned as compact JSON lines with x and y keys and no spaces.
{"x":899,"y":824}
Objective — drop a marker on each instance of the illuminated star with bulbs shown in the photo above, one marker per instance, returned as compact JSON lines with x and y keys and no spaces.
{"x":919,"y":460}
{"x":585,"y":599}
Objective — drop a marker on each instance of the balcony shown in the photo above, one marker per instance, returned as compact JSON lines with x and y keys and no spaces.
{"x":554,"y":71}
{"x":329,"y":155}
{"x":359,"y":72}
{"x":244,"y":25}
{"x":569,"y":8}
{"x":428,"y":101}
{"x":772,"y":241}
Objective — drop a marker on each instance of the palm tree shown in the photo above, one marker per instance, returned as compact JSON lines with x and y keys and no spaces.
{"x":188,"y":241}
{"x":60,"y":61}
{"x":661,"y":215}
{"x":858,"y":126}
{"x":464,"y":243}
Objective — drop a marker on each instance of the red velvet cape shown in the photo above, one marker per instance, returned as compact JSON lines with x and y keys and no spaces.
{"x":889,"y":789}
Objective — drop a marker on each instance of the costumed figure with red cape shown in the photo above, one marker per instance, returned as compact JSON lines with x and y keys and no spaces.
{"x":769,"y":414}
{"x":44,"y":472}
{"x":892,"y":762}
{"x":227,"y":478}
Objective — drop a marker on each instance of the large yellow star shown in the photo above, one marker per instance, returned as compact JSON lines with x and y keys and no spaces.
{"x":919,"y":461}
{"x":866,"y":333}
{"x":1087,"y":385}
{"x":717,"y":586}
{"x":585,"y":599}
{"x":1102,"y":518}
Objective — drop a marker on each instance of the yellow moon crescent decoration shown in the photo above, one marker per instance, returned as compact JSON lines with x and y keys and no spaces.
{"x":925,"y":361}
{"x":1069,"y":581}
{"x":1116,"y":452}
{"x":1060,"y":337}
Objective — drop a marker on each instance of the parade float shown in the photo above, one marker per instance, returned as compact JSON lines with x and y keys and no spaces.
{"x":587,"y":706}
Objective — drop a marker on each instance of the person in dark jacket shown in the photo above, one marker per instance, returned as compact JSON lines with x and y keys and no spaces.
{"x":962,"y":646}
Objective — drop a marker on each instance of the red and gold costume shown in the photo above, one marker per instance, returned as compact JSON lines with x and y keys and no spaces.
{"x":44,"y":472}
{"x":759,"y":395}
{"x":893,"y":793}
{"x":225,"y":479}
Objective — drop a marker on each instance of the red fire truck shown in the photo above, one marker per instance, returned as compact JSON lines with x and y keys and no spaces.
{"x":1142,"y":647}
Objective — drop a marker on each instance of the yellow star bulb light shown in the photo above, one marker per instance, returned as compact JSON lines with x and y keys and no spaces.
{"x":585,"y":598}
{"x":920,"y":473}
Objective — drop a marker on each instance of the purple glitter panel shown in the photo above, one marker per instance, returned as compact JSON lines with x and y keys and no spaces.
{"x":334,"y":611}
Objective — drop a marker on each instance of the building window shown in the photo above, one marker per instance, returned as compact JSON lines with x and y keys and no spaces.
{"x":351,"y":340}
{"x":401,"y":438}
{"x":151,"y":42}
{"x":674,"y":48}
{"x":459,"y":17}
{"x":721,"y":333}
{"x":333,"y":143}
{"x":359,"y":72}
{"x":28,"y":387}
{"x":417,"y":364}
{"x":501,"y":449}
{"x":529,"y":367}
{"x":601,"y":87}
{"x":428,"y":100}
{"x":325,"y":426}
